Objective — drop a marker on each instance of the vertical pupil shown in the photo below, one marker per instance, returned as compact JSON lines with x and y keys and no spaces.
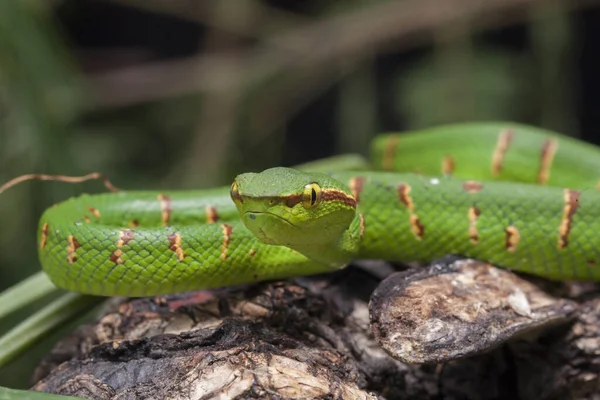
{"x":313,"y":196}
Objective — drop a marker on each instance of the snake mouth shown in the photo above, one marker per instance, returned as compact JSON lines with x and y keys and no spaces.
{"x":252,"y":216}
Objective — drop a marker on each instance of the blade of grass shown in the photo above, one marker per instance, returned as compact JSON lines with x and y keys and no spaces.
{"x":25,"y":292}
{"x":60,"y":311}
{"x":14,"y":394}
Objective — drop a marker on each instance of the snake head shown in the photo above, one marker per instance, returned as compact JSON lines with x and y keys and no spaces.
{"x":283,"y":206}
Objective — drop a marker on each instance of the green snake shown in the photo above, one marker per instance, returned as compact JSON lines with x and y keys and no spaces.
{"x":284,"y":222}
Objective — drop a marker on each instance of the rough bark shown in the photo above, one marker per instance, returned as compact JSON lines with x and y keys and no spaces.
{"x":311,"y":338}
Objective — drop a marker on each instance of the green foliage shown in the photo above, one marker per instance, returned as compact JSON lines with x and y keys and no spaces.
{"x":13,"y":394}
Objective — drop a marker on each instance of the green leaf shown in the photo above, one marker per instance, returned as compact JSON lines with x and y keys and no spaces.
{"x":13,"y":394}
{"x":25,"y":292}
{"x":60,"y":311}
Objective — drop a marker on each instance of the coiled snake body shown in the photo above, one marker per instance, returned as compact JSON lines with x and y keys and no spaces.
{"x":283,"y":222}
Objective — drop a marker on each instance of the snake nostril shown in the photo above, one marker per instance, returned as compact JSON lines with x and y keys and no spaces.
{"x":252,"y":216}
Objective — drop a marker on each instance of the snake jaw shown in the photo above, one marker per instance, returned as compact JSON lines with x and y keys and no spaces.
{"x":262,"y":224}
{"x":252,"y":215}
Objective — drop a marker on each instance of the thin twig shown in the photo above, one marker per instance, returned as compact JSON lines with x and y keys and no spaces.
{"x":59,"y":178}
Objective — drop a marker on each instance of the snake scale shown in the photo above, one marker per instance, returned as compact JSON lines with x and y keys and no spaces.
{"x":283,"y":222}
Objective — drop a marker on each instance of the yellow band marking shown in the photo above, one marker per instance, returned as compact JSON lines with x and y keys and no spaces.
{"x":362,"y":224}
{"x":211,"y":214}
{"x":473,"y":213}
{"x":416,"y":226}
{"x":125,"y":236}
{"x":404,"y":194}
{"x":571,"y":205}
{"x":44,"y":237}
{"x":504,"y":139}
{"x":116,"y":256}
{"x":356,"y":184}
{"x":389,"y":153}
{"x":165,"y":209}
{"x":512,"y":238}
{"x":175,"y":242}
{"x":448,"y":165}
{"x":547,"y":156}
{"x":94,"y":212}
{"x":71,"y":248}
{"x":227,"y":229}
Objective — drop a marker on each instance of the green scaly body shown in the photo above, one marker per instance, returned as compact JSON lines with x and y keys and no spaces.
{"x":147,"y":243}
{"x":472,"y":148}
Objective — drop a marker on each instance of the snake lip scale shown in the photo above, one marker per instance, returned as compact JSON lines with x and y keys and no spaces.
{"x":252,"y":215}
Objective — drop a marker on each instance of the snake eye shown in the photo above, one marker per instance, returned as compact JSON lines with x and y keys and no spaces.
{"x":311,"y":196}
{"x":235,"y":193}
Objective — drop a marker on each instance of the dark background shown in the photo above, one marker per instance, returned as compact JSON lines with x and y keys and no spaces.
{"x":188,"y":93}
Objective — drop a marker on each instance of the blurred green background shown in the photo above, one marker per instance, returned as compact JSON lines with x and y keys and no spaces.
{"x":188,"y":93}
